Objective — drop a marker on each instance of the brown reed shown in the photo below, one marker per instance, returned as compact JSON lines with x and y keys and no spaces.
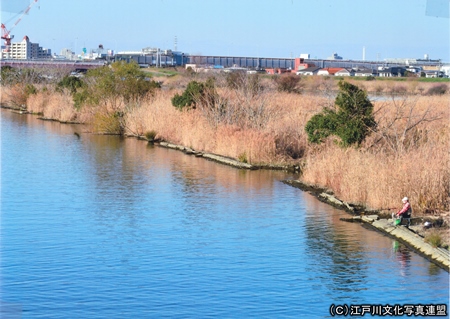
{"x":406,"y":156}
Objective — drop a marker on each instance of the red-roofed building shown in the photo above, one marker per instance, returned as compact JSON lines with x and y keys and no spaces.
{"x":329,"y":71}
{"x":299,"y":64}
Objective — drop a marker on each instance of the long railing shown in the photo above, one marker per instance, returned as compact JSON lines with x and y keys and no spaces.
{"x":64,"y":64}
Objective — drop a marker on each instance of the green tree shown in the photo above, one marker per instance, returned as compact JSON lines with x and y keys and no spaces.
{"x":9,"y":75}
{"x":71,"y":83}
{"x":351,"y":121}
{"x":113,"y":91}
{"x":117,"y":83}
{"x":195,"y":93}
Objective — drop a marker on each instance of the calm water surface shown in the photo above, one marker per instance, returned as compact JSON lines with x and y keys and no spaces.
{"x":104,"y":227}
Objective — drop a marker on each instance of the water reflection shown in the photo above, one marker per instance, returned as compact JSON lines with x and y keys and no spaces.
{"x":403,"y":256}
{"x":337,"y":252}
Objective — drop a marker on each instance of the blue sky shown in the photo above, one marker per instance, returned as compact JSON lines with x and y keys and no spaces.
{"x":265,"y":28}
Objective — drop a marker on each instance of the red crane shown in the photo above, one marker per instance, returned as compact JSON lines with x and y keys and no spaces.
{"x":6,"y":34}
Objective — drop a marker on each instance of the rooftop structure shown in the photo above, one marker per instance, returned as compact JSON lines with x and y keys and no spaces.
{"x":335,"y":56}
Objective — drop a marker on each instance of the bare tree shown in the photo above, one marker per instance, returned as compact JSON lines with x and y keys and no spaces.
{"x":401,"y":120}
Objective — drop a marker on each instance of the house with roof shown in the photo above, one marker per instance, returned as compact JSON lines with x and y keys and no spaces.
{"x":309,"y":71}
{"x":277,"y":70}
{"x":365,"y":72}
{"x":329,"y":71}
{"x":345,"y":72}
{"x":395,"y":71}
{"x":299,"y":64}
{"x":433,"y":73}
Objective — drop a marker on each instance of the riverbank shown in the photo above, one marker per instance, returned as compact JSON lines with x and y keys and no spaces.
{"x":412,"y":236}
{"x":376,"y":219}
{"x":135,"y":222}
{"x":257,"y":121}
{"x":250,"y":123}
{"x":227,"y":160}
{"x":407,"y":235}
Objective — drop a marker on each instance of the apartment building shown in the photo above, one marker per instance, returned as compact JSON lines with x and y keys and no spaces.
{"x":25,"y":50}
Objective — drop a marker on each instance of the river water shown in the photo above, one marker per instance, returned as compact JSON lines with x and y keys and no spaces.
{"x":105,"y":227}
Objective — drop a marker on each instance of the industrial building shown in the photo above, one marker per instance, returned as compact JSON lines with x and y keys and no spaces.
{"x":303,"y":65}
{"x":168,"y":58}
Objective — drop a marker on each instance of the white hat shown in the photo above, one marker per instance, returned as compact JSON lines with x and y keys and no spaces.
{"x":405,"y":199}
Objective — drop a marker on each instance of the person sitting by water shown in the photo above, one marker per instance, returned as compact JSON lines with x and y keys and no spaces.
{"x":405,"y":212}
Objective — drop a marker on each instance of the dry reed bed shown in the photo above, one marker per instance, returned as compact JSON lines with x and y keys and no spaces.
{"x":377,"y":174}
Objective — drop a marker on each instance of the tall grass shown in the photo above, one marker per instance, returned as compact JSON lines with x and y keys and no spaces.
{"x":402,"y":158}
{"x":52,"y":106}
{"x":280,"y":139}
{"x":379,"y":175}
{"x":376,"y":174}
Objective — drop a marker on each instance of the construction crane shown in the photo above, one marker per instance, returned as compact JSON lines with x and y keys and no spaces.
{"x":6,"y":34}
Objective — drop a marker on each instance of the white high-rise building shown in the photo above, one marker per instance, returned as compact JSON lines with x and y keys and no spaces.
{"x":26,"y":50}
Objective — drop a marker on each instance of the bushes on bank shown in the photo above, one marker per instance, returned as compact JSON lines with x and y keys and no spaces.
{"x":257,"y":124}
{"x":194,"y":94}
{"x":438,"y":89}
{"x":352,"y":121}
{"x":70,"y":83}
{"x":112,"y":91}
{"x":248,"y":84}
{"x":120,"y":82}
{"x":434,"y":239}
{"x":289,"y":82}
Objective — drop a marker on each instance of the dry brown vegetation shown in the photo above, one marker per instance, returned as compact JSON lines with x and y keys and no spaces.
{"x":406,"y":156}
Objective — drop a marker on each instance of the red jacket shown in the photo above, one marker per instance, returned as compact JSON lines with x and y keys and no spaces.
{"x":406,"y":210}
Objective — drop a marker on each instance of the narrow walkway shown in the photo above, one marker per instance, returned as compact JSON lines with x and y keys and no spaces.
{"x":406,"y":235}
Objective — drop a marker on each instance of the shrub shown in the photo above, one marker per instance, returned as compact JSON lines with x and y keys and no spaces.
{"x":438,"y":89}
{"x":398,"y":89}
{"x":107,"y":122}
{"x":243,"y":158}
{"x":30,"y":89}
{"x":80,"y":98}
{"x":150,"y":135}
{"x":9,"y":75}
{"x":351,"y":122}
{"x":119,"y":82}
{"x":195,"y":93}
{"x":20,"y":93}
{"x":288,"y":83}
{"x":71,"y":83}
{"x":434,"y":239}
{"x":248,"y":84}
{"x":320,"y":126}
{"x":189,"y":97}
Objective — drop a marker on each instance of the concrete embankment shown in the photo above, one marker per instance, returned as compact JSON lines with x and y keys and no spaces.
{"x":408,"y":236}
{"x":227,"y":160}
{"x":213,"y":157}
